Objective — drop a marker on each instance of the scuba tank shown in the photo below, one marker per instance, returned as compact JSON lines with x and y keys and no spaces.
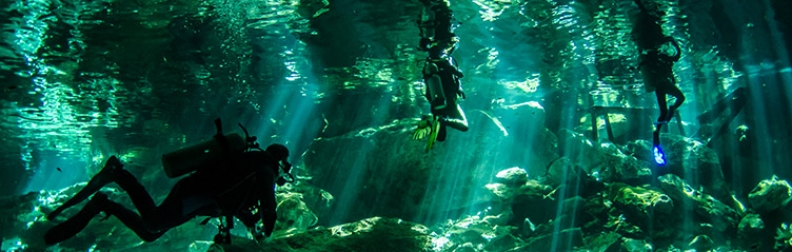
{"x":205,"y":154}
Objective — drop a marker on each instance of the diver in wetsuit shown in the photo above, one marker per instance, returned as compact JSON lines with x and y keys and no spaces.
{"x":440,"y":72}
{"x":656,"y":65}
{"x":244,"y":188}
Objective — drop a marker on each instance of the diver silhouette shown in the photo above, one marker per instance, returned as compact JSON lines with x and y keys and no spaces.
{"x":656,"y":66}
{"x":440,"y":73}
{"x":237,"y":182}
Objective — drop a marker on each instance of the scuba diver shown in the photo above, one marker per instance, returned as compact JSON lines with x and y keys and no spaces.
{"x":440,"y":73}
{"x":231,"y":177}
{"x":658,"y":54}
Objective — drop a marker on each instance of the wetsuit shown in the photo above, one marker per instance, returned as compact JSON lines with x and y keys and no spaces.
{"x":656,"y":66}
{"x":247,"y":184}
{"x":443,"y":88}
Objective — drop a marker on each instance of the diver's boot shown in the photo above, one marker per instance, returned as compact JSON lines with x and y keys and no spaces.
{"x":77,"y":223}
{"x":105,"y":176}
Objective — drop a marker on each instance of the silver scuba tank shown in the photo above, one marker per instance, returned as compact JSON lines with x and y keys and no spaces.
{"x":208,"y":153}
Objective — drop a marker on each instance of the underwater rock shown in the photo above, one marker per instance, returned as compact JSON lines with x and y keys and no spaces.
{"x":769,"y":195}
{"x":479,"y":232}
{"x":467,"y":247}
{"x":709,"y":209}
{"x":619,"y":167}
{"x":564,"y":240}
{"x":696,"y":163}
{"x":573,"y":213}
{"x":562,"y":171}
{"x":750,"y":226}
{"x":525,"y":199}
{"x":293,"y":213}
{"x":579,"y":149}
{"x":511,"y":177}
{"x":372,"y":234}
{"x":602,"y":242}
{"x":635,"y":245}
{"x":701,"y":243}
{"x":643,"y":207}
{"x":317,"y":200}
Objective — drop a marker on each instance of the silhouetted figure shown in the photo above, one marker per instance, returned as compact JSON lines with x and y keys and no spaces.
{"x":440,"y":73}
{"x":658,"y":54}
{"x":234,"y":182}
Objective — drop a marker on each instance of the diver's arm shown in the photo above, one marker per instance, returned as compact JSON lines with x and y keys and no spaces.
{"x":678,"y":54}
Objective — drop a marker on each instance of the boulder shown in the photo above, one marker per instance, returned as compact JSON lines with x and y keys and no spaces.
{"x":602,"y":242}
{"x":511,"y":177}
{"x":635,"y":245}
{"x":372,"y":234}
{"x":694,"y":162}
{"x":643,"y":207}
{"x":769,"y":194}
{"x":580,"y":150}
{"x":750,"y":226}
{"x":617,"y":166}
{"x":563,"y":240}
{"x":293,"y":213}
{"x":701,"y":243}
{"x":709,"y":210}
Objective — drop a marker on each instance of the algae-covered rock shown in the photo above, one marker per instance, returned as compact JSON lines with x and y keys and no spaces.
{"x":475,"y":232}
{"x":750,"y":225}
{"x":635,"y":245}
{"x":602,"y":242}
{"x":701,"y":243}
{"x":580,"y":150}
{"x":619,"y":167}
{"x":643,"y":207}
{"x":563,"y":240}
{"x":514,"y":176}
{"x":696,"y":163}
{"x":709,"y":209}
{"x":293,"y":213}
{"x":526,"y":199}
{"x":562,"y":171}
{"x":769,"y":195}
{"x":372,"y":234}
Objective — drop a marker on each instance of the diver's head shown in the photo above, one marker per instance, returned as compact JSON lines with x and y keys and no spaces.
{"x":278,"y":151}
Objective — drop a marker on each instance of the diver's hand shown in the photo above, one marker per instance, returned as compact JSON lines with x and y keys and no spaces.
{"x":462,"y":94}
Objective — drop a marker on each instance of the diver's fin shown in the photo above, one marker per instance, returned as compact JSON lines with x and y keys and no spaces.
{"x":433,"y":135}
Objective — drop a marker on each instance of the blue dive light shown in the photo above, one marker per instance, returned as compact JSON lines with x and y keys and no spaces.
{"x":659,"y":155}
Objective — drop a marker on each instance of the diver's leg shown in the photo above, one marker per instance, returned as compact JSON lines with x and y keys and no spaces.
{"x":105,"y":176}
{"x":662,"y":105}
{"x":75,"y":224}
{"x":130,"y":218}
{"x":139,"y":196}
{"x":680,"y":98}
{"x":456,"y":118}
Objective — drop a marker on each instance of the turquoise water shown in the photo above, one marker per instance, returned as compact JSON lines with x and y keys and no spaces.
{"x":558,"y":155}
